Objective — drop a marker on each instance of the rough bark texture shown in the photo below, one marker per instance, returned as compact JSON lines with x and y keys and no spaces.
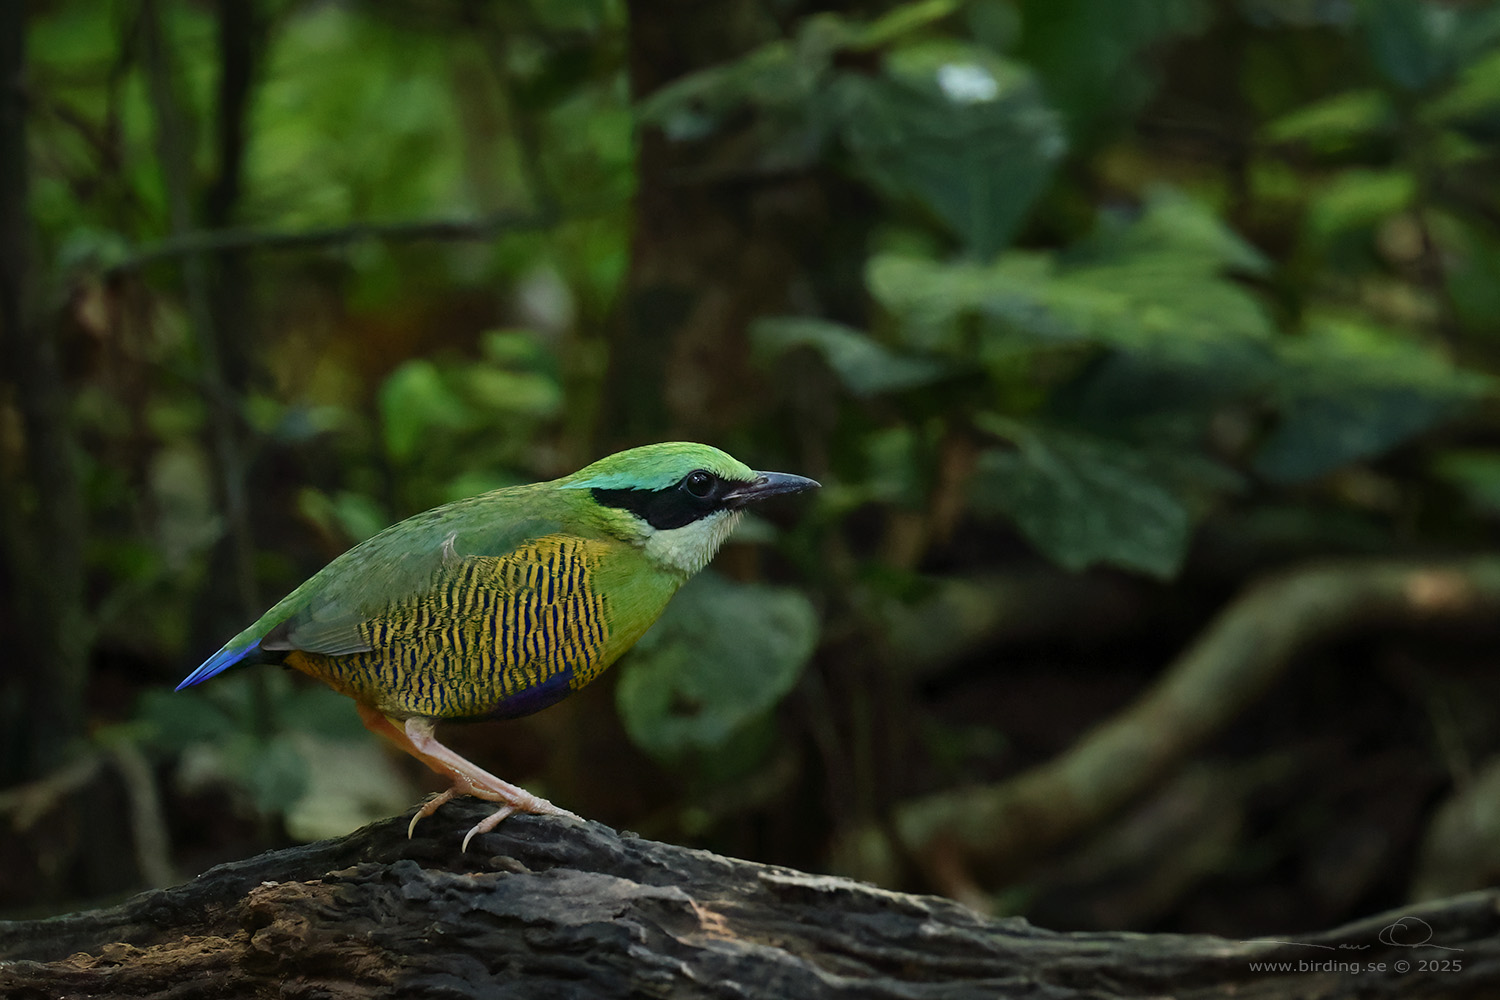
{"x":549,"y":908}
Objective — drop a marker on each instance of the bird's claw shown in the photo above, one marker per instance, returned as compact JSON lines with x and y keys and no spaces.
{"x":427,"y":809}
{"x":486,"y":825}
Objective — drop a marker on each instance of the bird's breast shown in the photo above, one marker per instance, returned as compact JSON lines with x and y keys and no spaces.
{"x":504,"y":635}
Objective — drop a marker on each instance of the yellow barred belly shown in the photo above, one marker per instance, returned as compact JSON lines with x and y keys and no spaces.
{"x":503,"y":635}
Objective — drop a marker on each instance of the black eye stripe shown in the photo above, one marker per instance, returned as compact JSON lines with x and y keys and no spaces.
{"x":676,"y":505}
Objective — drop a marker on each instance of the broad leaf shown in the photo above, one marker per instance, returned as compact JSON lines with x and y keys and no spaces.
{"x":1415,"y":44}
{"x":787,"y":83}
{"x":346,"y":513}
{"x":416,"y":400}
{"x":1356,"y":200}
{"x":958,"y":130}
{"x":1474,"y":473}
{"x":1350,"y":391}
{"x":1093,"y":56}
{"x":1334,"y":124}
{"x":863,"y":365}
{"x":1083,"y":499}
{"x":723,"y":655}
{"x":1154,"y":284}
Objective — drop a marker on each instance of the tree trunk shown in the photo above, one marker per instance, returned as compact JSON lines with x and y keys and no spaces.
{"x":550,"y":908}
{"x":719,"y":241}
{"x":42,"y":517}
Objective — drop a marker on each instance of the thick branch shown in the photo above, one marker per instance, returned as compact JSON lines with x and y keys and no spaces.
{"x":994,"y":830}
{"x":545,"y":907}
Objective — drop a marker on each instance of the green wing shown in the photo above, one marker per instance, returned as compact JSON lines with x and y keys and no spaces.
{"x":324,"y":615}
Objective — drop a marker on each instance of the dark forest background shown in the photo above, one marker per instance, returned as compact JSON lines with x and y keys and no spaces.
{"x":1145,"y":350}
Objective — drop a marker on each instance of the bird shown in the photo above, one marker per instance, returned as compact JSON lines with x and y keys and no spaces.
{"x":502,"y":604}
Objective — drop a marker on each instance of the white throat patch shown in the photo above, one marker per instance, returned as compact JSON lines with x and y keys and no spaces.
{"x":689,"y":548}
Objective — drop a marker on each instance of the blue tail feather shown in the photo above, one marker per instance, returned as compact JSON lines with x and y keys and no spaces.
{"x":219,"y":662}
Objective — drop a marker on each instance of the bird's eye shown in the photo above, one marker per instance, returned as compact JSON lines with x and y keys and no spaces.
{"x":699,"y":483}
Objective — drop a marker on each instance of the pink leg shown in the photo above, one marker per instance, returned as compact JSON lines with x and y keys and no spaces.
{"x":416,"y":738}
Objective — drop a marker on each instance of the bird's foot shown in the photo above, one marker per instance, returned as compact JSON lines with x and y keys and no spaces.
{"x":414,"y":735}
{"x":520,"y":800}
{"x":513,"y":801}
{"x":512,"y":804}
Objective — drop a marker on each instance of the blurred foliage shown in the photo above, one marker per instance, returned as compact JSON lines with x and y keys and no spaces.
{"x":234,"y":734}
{"x":1114,"y":276}
{"x":719,"y":660}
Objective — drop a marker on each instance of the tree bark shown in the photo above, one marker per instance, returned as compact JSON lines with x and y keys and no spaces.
{"x":719,"y":241}
{"x":552,"y":908}
{"x":42,"y":517}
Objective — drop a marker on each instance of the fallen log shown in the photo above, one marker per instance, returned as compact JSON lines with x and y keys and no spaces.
{"x":544,"y":907}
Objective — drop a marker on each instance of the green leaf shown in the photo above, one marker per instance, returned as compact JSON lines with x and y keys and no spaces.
{"x":1414,"y":44}
{"x":527,"y":394}
{"x":901,"y":21}
{"x":783,"y":81}
{"x":1083,"y":499}
{"x":414,"y":400}
{"x":1356,"y":200}
{"x":515,"y":349}
{"x":958,"y":130}
{"x":1475,"y":473}
{"x":178,"y":719}
{"x":1094,"y":56}
{"x":1473,"y":273}
{"x":1349,"y":391}
{"x":85,"y":247}
{"x":352,"y":515}
{"x":864,"y":366}
{"x":1474,"y":99}
{"x":273,"y":770}
{"x":1153,"y":284}
{"x":1172,"y":224}
{"x":722,"y":655}
{"x":932,"y":297}
{"x":1336,"y":123}
{"x":1153,"y":303}
{"x":1157,"y":399}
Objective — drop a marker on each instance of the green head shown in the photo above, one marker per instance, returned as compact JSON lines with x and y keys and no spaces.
{"x":678,"y":500}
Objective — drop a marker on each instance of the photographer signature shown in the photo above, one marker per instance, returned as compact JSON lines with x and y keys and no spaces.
{"x":1405,"y":932}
